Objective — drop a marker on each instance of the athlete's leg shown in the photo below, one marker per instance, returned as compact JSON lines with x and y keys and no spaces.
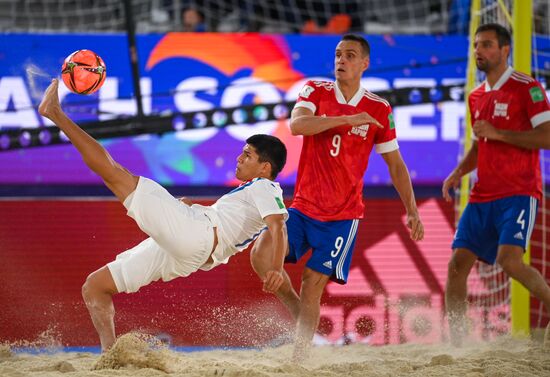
{"x":98,"y":291}
{"x":260,"y":258}
{"x":516,"y":222}
{"x":119,"y":180}
{"x":456,"y":292}
{"x":510,"y":258}
{"x":313,"y":285}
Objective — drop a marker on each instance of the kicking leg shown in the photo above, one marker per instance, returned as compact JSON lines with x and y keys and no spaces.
{"x":260,"y":258}
{"x":456,"y":292}
{"x":510,"y":258}
{"x":119,"y":180}
{"x":97,"y":292}
{"x":313,"y":285}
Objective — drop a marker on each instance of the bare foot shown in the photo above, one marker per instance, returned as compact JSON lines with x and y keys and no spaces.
{"x":301,"y":351}
{"x":546,"y":343}
{"x":457,"y":329}
{"x":50,"y":106}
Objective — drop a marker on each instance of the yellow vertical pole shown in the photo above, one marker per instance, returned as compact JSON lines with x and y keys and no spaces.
{"x":522,"y":13}
{"x":475,"y":9}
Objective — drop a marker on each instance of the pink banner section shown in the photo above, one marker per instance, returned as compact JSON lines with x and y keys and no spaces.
{"x":395,"y":292}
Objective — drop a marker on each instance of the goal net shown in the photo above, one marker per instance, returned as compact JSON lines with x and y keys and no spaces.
{"x":540,"y":250}
{"x":277,"y":16}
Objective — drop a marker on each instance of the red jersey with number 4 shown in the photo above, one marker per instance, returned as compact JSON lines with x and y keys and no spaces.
{"x":329,"y":185}
{"x":517,"y":103}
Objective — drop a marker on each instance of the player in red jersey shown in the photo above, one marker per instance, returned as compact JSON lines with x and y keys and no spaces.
{"x":341,"y":123}
{"x":511,"y":122}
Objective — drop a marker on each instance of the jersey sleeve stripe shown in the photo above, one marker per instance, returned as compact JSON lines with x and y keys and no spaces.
{"x":540,"y":118}
{"x":523,"y":76}
{"x":308,"y":105}
{"x":386,"y":147}
{"x":246,"y":242}
{"x":520,"y":79}
{"x":374,"y":97}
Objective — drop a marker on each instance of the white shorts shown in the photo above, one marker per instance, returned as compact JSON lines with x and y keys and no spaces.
{"x":180,"y":242}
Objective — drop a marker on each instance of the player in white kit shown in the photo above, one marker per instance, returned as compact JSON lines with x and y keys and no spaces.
{"x":184,"y":237}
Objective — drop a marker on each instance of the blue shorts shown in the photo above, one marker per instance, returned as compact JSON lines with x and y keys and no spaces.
{"x":331,"y":242}
{"x":485,"y":226}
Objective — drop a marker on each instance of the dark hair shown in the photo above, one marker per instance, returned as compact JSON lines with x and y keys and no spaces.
{"x":362,"y":41}
{"x":269,"y":149}
{"x":196,"y":10}
{"x":503,"y":35}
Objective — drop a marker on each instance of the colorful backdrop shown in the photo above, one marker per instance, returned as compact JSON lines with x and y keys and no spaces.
{"x":195,"y":72}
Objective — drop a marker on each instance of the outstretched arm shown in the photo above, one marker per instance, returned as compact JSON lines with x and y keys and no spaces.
{"x":277,"y":229}
{"x":303,"y":122}
{"x":119,"y":180}
{"x":402,"y":182}
{"x":468,"y":163}
{"x":537,"y":138}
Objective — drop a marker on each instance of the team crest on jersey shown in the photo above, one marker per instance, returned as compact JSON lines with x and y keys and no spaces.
{"x":501,"y":110}
{"x":360,"y":131}
{"x":306,"y":91}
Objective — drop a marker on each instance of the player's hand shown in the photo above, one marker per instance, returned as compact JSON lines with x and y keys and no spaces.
{"x":361,"y":119}
{"x":416,"y":227}
{"x":484,"y":129}
{"x":185,"y":200}
{"x":452,"y":181}
{"x":273,"y":281}
{"x":49,"y":107}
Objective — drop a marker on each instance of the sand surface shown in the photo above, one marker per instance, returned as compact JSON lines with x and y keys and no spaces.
{"x":135,"y":356}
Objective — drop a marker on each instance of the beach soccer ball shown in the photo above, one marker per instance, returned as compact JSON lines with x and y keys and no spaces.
{"x":83,"y":72}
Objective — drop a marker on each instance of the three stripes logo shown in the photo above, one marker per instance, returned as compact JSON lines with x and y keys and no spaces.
{"x":518,"y":236}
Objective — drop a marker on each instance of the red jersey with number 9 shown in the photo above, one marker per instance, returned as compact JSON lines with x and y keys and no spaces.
{"x":517,"y":103}
{"x":329,"y":185}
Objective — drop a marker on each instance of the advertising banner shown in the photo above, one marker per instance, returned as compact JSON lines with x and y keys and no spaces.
{"x":186,"y":72}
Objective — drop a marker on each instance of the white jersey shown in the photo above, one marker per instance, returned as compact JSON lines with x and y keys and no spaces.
{"x":239,"y":215}
{"x":181,"y":237}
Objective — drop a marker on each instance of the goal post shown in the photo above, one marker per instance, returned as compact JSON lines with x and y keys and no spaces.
{"x":521,"y":51}
{"x":470,"y":85}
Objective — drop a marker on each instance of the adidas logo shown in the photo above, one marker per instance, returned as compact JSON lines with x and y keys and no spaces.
{"x":328,"y":264}
{"x":518,"y":236}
